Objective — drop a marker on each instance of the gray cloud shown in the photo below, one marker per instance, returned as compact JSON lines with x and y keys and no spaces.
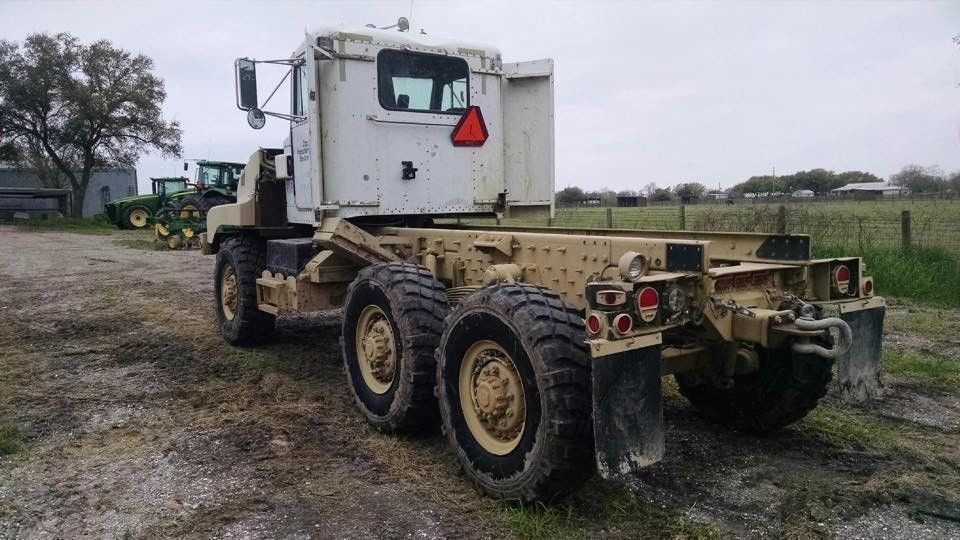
{"x":645,"y":91}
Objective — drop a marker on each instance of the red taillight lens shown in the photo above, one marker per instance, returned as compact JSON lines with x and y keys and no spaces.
{"x":594,"y":324}
{"x":648,"y":300}
{"x":841,"y":277}
{"x":868,"y":287}
{"x":623,"y":323}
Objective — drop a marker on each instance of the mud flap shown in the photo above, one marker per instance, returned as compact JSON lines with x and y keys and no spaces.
{"x":858,"y":370}
{"x":627,"y":411}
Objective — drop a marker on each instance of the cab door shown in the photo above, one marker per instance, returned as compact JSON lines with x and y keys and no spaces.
{"x":304,"y":141}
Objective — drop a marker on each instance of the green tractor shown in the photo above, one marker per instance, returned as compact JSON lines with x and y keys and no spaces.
{"x":182,"y":218}
{"x":137,"y":212}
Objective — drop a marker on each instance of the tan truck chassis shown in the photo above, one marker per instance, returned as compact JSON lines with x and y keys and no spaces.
{"x":722,"y":312}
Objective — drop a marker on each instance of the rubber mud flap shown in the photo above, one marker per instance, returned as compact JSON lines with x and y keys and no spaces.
{"x":858,"y":370}
{"x":627,"y":411}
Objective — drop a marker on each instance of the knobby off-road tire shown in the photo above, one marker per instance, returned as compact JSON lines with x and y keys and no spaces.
{"x":240,"y":262}
{"x":127,"y":221}
{"x":785,"y":389}
{"x":531,"y":330}
{"x":395,"y":312}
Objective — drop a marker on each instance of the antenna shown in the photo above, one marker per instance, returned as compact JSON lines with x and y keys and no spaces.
{"x":403,"y":24}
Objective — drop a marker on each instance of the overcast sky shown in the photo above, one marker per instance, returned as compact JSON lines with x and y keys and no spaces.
{"x":645,"y":92}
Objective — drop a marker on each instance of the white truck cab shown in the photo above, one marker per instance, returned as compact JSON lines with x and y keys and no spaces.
{"x":393,"y":123}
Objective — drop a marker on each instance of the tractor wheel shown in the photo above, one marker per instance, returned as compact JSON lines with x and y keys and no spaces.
{"x":135,"y":217}
{"x":391,"y":327}
{"x":784,"y":389}
{"x":513,"y":381}
{"x":195,"y":207}
{"x":240,"y":262}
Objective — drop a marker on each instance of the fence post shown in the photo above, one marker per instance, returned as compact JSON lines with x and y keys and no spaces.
{"x":683,"y":217}
{"x":905,"y":234}
{"x":609,"y":218}
{"x":782,"y":219}
{"x":549,"y":222}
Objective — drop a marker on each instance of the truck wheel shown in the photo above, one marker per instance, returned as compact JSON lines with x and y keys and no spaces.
{"x":391,"y":327}
{"x":513,"y":383}
{"x":135,"y":217}
{"x":785,"y":388}
{"x":240,"y":262}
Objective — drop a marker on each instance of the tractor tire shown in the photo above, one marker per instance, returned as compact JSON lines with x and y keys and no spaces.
{"x":513,"y":382}
{"x":135,"y":217}
{"x":240,"y":262}
{"x":391,"y":327}
{"x":786,"y":388}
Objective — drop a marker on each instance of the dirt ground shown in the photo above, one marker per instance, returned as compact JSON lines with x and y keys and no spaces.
{"x":133,"y":419}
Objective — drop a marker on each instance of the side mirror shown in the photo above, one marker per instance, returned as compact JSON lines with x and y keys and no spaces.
{"x":246,"y":83}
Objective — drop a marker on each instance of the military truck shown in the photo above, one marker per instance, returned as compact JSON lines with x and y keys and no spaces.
{"x":136,"y":212}
{"x":541,"y":352}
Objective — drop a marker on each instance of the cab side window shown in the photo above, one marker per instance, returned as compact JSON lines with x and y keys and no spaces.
{"x":300,"y":91}
{"x":419,"y":82}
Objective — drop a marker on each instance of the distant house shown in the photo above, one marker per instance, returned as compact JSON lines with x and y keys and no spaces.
{"x":22,"y":191}
{"x":631,"y":200}
{"x":802,"y":194}
{"x":718,"y":195}
{"x":870,"y":190}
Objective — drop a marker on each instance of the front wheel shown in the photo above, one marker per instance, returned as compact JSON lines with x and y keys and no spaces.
{"x":240,"y":262}
{"x":513,"y":382}
{"x":135,"y":217}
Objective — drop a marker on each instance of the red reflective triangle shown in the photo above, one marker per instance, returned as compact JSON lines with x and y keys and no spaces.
{"x":470,"y":130}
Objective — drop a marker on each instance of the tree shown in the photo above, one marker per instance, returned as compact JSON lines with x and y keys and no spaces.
{"x":661,"y":195}
{"x":627,"y":193}
{"x":73,"y":107}
{"x":649,"y":189}
{"x":920,"y":179}
{"x":570,"y":195}
{"x":690,"y":190}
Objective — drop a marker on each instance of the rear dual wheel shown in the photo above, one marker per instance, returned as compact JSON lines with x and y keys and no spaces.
{"x":509,"y":367}
{"x":514,"y":390}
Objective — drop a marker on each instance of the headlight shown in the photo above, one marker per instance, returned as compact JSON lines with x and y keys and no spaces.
{"x":674,"y":299}
{"x":633,"y":266}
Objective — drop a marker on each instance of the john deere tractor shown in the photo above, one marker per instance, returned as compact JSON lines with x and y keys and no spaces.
{"x":136,"y":212}
{"x":180,"y":219}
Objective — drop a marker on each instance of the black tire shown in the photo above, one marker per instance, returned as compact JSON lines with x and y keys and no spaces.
{"x":786,"y":388}
{"x":415,"y":304}
{"x":246,"y":258}
{"x":206,"y":202}
{"x":125,"y":222}
{"x":545,"y":340}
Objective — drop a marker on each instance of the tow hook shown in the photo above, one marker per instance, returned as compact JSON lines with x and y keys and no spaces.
{"x":842,"y":345}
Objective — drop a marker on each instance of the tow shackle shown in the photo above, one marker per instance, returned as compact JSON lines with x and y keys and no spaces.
{"x":842,"y":345}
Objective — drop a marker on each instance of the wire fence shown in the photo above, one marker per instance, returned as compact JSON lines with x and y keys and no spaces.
{"x":853,"y":226}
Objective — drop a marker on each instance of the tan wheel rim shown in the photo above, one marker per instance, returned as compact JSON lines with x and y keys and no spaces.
{"x":375,"y":343}
{"x":139,"y":218}
{"x":189,"y":211}
{"x":229,"y":297}
{"x":173,"y":241}
{"x":491,"y":397}
{"x":162,"y":231}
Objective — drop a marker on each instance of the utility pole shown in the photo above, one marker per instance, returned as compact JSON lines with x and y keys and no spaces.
{"x":773,"y":185}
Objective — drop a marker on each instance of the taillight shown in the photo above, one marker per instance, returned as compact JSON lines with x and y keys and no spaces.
{"x":868,"y":286}
{"x":648,"y":300}
{"x":610,"y":298}
{"x":594,"y":324}
{"x":623,"y":323}
{"x":841,"y":278}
